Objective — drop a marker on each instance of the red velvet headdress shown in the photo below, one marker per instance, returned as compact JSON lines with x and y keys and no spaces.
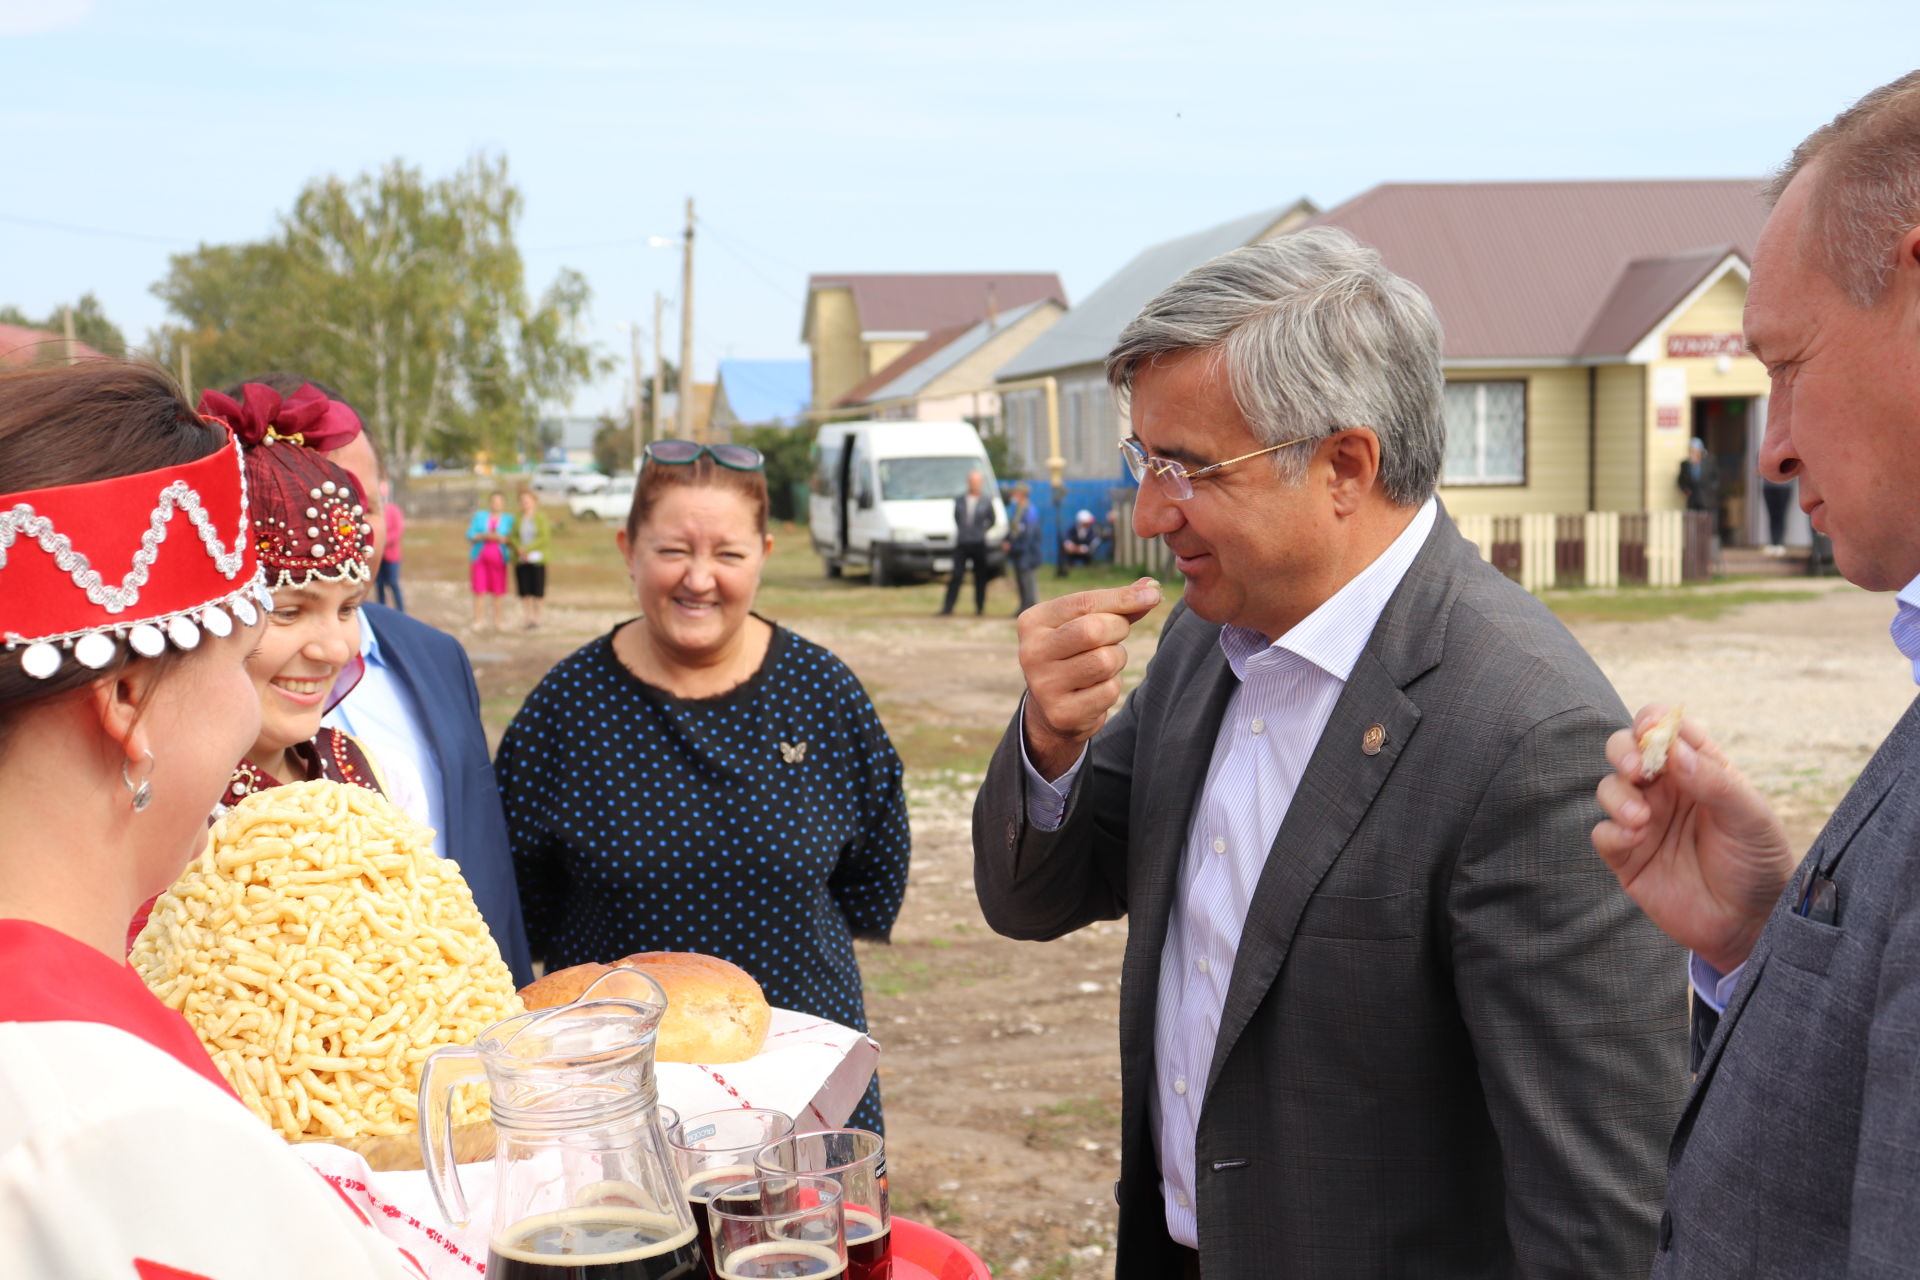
{"x":309,"y":518}
{"x":55,"y":602}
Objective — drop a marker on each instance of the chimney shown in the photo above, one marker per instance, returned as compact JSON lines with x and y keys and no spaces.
{"x":993,"y":310}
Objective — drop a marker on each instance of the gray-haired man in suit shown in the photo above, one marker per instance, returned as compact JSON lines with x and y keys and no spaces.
{"x":1382,"y":1012}
{"x":1798,"y":1154}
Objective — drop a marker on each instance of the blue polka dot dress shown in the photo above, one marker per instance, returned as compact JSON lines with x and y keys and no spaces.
{"x":766,"y":826}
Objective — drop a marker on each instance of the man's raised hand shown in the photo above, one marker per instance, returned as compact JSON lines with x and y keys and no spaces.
{"x":1072,"y":652}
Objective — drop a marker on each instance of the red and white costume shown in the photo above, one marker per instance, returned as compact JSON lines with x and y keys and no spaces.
{"x":123,"y":1154}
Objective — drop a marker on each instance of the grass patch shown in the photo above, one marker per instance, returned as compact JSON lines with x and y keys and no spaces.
{"x":1653,"y":605}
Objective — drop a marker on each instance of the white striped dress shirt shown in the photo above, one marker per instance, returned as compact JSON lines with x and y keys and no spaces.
{"x":1272,"y":724}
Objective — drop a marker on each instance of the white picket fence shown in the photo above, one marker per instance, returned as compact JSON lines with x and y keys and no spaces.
{"x":1538,"y":550}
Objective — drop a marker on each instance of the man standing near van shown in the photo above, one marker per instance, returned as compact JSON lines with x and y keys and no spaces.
{"x":972,"y":517}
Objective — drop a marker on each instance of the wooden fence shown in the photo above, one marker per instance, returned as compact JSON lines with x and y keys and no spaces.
{"x":1539,"y":551}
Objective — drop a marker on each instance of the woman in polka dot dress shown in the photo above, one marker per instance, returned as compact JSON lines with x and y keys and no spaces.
{"x":701,"y":779}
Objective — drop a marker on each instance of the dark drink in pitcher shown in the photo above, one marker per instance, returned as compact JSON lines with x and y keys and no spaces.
{"x":869,"y":1246}
{"x":701,"y":1188}
{"x":597,"y":1242}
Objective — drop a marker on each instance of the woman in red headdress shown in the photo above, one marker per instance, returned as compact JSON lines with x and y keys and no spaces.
{"x":315,"y":542}
{"x":130,"y":598}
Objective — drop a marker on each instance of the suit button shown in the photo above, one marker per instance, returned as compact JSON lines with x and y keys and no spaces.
{"x":1666,"y":1230}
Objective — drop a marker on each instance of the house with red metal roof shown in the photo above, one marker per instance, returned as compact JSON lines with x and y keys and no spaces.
{"x":21,"y":347}
{"x":1592,"y":329}
{"x":857,"y":324}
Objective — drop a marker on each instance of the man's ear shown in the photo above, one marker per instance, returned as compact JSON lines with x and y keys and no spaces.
{"x":1353,"y":460}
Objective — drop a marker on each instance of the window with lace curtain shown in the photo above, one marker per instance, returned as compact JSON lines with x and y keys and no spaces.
{"x":1486,"y":433}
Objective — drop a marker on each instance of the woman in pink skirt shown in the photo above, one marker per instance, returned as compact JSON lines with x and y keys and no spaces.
{"x":487,"y":537}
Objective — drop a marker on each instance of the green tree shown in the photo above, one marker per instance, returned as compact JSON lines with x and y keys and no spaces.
{"x":408,"y":296}
{"x":90,"y":325}
{"x":789,"y":455}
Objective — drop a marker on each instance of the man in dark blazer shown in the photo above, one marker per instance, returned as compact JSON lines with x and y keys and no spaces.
{"x":972,"y":519}
{"x":1798,"y":1153}
{"x":1376,"y":1019}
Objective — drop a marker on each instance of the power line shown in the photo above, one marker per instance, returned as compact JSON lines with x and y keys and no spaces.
{"x":726,"y":245}
{"x":43,"y":225}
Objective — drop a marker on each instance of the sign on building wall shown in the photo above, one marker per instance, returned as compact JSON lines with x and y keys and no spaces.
{"x":1669,"y":399}
{"x":1689,"y":346}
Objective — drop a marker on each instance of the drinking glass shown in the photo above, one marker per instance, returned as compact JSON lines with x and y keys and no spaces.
{"x":779,"y":1227}
{"x":857,"y":1161}
{"x":716,"y":1148}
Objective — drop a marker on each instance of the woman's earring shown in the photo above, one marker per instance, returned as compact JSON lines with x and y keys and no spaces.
{"x":142,"y":791}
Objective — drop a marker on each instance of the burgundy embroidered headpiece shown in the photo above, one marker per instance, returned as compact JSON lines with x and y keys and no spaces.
{"x":58,"y":547}
{"x":262,"y":415}
{"x":309,"y":517}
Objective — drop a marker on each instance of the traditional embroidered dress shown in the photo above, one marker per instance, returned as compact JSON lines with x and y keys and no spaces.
{"x":332,"y":756}
{"x":124,"y":1154}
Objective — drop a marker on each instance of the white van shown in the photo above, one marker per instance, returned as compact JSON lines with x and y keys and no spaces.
{"x":883,"y":496}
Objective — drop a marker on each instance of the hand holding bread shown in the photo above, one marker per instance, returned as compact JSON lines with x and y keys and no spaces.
{"x":1072,"y":652}
{"x":1690,"y":839}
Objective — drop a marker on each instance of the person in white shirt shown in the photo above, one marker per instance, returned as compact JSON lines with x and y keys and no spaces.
{"x":1382,"y":1014}
{"x":124,"y":701}
{"x":1799,"y":1152}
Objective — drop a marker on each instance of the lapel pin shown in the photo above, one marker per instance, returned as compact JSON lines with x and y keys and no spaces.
{"x":1373,"y":739}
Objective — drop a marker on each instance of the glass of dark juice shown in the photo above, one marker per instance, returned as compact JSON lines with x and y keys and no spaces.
{"x":857,"y":1161}
{"x":784,"y":1227}
{"x":716,"y":1149}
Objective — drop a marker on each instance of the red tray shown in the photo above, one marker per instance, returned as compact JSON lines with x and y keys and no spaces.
{"x":922,"y":1253}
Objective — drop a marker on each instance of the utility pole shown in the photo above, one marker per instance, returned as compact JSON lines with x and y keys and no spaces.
{"x":659,"y":381}
{"x":639,"y":429}
{"x":687,"y":429}
{"x":66,"y":313}
{"x":186,"y":369}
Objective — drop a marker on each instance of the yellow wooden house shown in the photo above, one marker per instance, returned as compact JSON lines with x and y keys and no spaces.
{"x":1592,"y":331}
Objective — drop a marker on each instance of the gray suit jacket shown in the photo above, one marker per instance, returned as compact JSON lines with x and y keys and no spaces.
{"x":1451,"y":1046}
{"x":1798,"y":1155}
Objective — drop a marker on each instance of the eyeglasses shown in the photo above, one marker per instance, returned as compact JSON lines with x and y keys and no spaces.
{"x":737,"y":457}
{"x":1173,"y":476}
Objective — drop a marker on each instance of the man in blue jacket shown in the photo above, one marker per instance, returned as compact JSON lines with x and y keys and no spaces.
{"x":1023,"y":546}
{"x":418,"y":702}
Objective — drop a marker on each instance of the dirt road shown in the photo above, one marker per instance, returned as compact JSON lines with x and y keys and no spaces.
{"x":999,"y":1066}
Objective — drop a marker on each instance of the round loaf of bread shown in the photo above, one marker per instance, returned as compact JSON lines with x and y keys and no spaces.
{"x":716,"y":1012}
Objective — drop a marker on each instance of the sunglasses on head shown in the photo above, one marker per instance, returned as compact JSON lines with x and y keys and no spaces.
{"x":737,"y":457}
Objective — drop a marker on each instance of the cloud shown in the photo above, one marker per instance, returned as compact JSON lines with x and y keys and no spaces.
{"x":31,"y":17}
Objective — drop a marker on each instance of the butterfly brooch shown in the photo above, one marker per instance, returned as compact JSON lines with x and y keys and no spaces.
{"x":793,"y":753}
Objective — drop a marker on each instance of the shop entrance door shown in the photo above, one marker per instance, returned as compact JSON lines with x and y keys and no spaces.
{"x":1721,"y":422}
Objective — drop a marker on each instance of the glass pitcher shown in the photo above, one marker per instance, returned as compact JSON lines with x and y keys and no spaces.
{"x":584,"y":1186}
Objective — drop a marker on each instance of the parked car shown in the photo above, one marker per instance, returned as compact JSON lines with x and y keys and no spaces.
{"x":883,"y":496}
{"x":611,"y":502}
{"x":560,"y":479}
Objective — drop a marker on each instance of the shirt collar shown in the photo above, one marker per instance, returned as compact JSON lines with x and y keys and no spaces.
{"x":369,"y":643}
{"x":1333,"y":636}
{"x":1906,"y":625}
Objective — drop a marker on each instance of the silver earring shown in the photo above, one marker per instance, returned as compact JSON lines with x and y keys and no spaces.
{"x":142,"y":792}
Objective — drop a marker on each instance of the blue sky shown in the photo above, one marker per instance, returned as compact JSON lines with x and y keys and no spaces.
{"x":848,"y":137}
